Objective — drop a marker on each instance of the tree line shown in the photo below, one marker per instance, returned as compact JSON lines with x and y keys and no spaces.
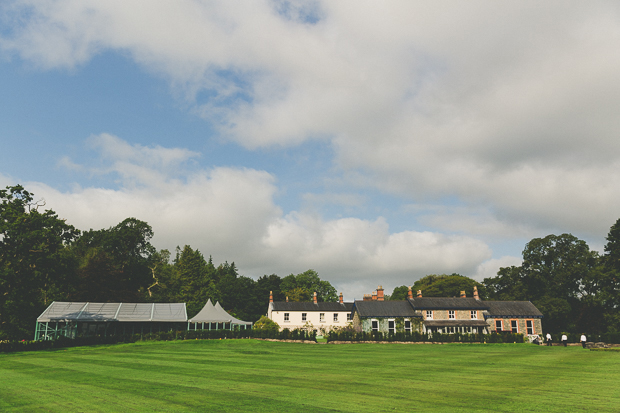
{"x":45,"y":259}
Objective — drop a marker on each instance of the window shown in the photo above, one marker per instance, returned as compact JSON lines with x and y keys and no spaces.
{"x":392,"y":326}
{"x":451,"y":314}
{"x":304,"y":316}
{"x":429,"y":314}
{"x":530,"y":327}
{"x":322,"y":317}
{"x":474,"y":314}
{"x":286,"y":317}
{"x":349,"y":317}
{"x":335,"y":317}
{"x":375,"y":325}
{"x":408,"y":326}
{"x":498,"y":325}
{"x":514,"y":326}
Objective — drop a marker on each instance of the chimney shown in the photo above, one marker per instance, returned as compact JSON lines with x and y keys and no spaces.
{"x":271,"y":296}
{"x":419,"y":293}
{"x":341,"y":299}
{"x":476,"y":296}
{"x":287,"y":298}
{"x":380,"y":296}
{"x":374,"y":296}
{"x":315,"y":299}
{"x":409,"y":293}
{"x":463,"y":294}
{"x":367,"y":297}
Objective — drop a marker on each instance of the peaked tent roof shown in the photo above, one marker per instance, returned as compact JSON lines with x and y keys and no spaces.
{"x":86,"y":311}
{"x":215,"y":314}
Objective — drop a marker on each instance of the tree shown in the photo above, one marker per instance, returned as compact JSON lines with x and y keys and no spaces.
{"x":554,"y":276}
{"x":310,"y":281}
{"x":127,"y":252}
{"x":399,"y":293}
{"x":266,"y":324}
{"x":444,"y":285}
{"x":32,"y":258}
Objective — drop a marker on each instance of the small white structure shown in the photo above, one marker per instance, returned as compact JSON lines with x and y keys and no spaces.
{"x":319,"y":317}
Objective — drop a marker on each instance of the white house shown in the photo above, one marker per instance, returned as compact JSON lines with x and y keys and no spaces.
{"x":320,"y":317}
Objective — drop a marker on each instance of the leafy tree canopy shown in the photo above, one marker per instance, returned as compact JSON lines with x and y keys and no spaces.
{"x":444,"y":285}
{"x":310,"y":282}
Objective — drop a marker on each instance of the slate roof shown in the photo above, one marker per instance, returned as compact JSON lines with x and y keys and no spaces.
{"x":512,"y":309}
{"x":310,"y":306}
{"x":378,"y":308}
{"x":455,"y":323}
{"x":447,"y":303}
{"x":83,"y":311}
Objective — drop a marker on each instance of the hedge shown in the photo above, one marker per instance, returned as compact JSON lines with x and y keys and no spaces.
{"x":24,"y":345}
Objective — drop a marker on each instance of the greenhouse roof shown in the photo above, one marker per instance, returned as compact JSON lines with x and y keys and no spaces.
{"x":154,"y":312}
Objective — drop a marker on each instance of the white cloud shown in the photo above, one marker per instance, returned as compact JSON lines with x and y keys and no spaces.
{"x":230,"y":214}
{"x":489,"y":268}
{"x":509,"y":107}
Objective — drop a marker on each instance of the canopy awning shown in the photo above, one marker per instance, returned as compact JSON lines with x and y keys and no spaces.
{"x":215,"y":314}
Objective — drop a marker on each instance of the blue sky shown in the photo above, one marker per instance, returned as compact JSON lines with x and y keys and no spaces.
{"x":373,"y":142}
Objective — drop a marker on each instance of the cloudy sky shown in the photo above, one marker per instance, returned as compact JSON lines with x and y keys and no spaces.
{"x":375,"y":142}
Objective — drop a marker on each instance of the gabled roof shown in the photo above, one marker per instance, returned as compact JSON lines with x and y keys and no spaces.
{"x":83,"y":311}
{"x":512,"y":309}
{"x":215,"y":314}
{"x":377,"y":308}
{"x":447,"y":303}
{"x":310,"y":306}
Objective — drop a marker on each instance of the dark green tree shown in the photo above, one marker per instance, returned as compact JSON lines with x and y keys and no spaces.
{"x":311,"y":282}
{"x":444,"y":285}
{"x":553,"y":276}
{"x":32,"y":259}
{"x":127,"y":253}
{"x":399,"y":293}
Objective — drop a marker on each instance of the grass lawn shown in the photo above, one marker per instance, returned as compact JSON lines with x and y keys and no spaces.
{"x":252,"y":375}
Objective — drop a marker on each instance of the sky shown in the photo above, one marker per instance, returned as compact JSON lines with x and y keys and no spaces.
{"x":374,"y":142}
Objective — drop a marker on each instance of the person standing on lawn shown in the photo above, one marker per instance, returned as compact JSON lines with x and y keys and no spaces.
{"x":583,"y":340}
{"x":549,"y":339}
{"x":564,"y":339}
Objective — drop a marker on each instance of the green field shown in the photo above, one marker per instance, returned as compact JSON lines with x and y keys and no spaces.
{"x":252,"y":375}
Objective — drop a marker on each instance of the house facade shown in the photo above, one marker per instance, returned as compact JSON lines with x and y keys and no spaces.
{"x":446,"y":315}
{"x":313,"y":316}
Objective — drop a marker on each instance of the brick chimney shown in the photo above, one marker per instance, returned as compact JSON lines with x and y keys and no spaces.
{"x":409,"y":293}
{"x":287,"y":298}
{"x":476,"y":296}
{"x":271,"y":296}
{"x":341,"y":299}
{"x":315,"y":299}
{"x":419,"y":293}
{"x":380,"y":295}
{"x":367,"y":297}
{"x":374,"y":296}
{"x":463,"y":294}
